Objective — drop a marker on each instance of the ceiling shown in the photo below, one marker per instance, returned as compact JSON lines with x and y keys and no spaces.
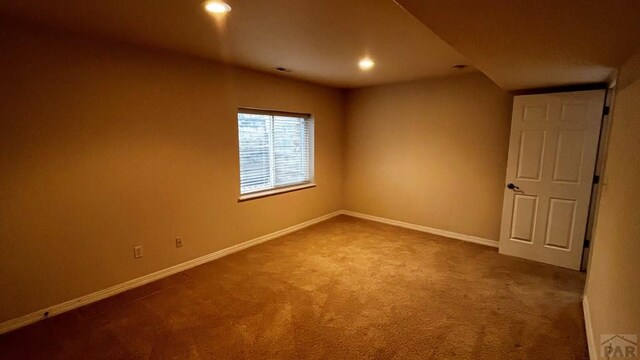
{"x":523,"y":44}
{"x":319,"y":40}
{"x":526,"y":44}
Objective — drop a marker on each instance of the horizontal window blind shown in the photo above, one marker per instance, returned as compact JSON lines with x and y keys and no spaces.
{"x":275,"y":150}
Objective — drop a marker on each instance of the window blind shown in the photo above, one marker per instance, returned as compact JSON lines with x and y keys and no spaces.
{"x":275,"y":150}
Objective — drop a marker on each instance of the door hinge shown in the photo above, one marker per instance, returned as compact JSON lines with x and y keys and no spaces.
{"x":587,"y":243}
{"x":596,"y":179}
{"x":605,"y":110}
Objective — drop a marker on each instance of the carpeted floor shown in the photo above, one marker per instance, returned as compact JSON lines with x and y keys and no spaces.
{"x":342,"y":289}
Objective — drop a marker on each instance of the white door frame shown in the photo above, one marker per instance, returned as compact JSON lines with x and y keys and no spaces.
{"x":599,"y":172}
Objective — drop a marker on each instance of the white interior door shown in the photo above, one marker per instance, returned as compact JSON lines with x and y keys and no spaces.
{"x":552,"y":155}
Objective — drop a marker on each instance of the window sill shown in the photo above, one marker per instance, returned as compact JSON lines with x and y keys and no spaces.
{"x":271,"y":192}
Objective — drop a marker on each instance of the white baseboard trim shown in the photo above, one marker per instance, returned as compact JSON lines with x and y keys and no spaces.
{"x":449,"y":234}
{"x":593,"y":349}
{"x":116,"y":289}
{"x":53,"y":310}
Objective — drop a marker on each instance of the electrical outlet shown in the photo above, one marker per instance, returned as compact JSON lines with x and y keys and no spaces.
{"x":179,"y":242}
{"x":137,"y":251}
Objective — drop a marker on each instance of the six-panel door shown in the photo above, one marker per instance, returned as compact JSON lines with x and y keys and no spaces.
{"x":552,"y":155}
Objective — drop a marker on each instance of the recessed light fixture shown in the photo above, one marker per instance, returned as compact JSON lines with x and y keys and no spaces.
{"x":216,"y":7}
{"x":460,"y":66}
{"x":366,"y":64}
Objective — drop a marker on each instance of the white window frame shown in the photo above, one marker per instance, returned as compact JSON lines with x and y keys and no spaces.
{"x":310,"y":183}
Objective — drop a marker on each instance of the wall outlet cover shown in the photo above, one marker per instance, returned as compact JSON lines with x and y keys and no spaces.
{"x":137,"y":252}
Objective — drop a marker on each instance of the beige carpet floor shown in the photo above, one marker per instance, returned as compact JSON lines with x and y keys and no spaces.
{"x":343,"y":289}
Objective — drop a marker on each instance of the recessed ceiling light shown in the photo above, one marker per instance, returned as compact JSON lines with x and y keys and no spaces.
{"x":366,"y":64}
{"x":217,"y":7}
{"x":460,"y":66}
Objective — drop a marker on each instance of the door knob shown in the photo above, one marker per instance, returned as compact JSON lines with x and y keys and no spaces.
{"x":513,"y":186}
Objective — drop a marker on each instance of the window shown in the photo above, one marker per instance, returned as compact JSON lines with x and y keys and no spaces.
{"x":276,"y":151}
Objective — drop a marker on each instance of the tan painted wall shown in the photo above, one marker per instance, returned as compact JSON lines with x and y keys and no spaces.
{"x":106,"y":146}
{"x":430,"y":152}
{"x":613,"y":282}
